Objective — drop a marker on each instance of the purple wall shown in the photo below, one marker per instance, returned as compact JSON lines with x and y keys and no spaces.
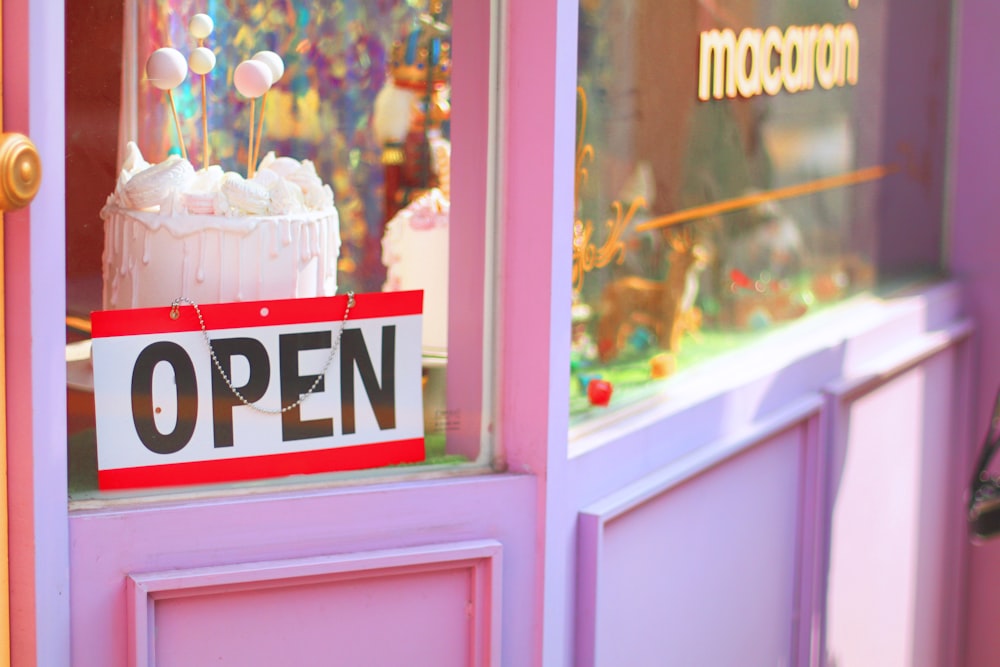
{"x":975,"y":244}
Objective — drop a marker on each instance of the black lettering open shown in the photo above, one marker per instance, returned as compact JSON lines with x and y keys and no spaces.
{"x":382,"y":395}
{"x":294,"y":385}
{"x":142,"y":397}
{"x":223,"y":398}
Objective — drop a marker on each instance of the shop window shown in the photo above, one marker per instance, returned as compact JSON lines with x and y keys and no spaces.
{"x":741,"y":165}
{"x":327,"y":130}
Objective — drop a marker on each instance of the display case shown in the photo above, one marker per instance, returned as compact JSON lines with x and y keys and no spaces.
{"x":739,"y":165}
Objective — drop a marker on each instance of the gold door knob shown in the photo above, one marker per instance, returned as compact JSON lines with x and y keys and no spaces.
{"x":20,"y":171}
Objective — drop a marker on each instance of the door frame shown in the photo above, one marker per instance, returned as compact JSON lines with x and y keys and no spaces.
{"x":4,"y":548}
{"x":35,"y":338}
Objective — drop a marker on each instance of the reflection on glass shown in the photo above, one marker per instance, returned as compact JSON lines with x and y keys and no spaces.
{"x":723,"y":187}
{"x":363,"y":102}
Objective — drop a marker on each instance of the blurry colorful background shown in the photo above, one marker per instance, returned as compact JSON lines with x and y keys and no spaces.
{"x":335,"y":63}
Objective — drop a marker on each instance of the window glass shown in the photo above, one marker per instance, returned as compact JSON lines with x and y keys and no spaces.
{"x":740,"y":165}
{"x":329,"y":134}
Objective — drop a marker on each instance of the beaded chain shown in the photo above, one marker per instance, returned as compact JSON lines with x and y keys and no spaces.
{"x":175,"y":313}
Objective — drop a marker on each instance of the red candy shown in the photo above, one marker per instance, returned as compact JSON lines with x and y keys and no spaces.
{"x":599,"y":392}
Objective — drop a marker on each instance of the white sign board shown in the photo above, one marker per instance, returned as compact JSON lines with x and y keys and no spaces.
{"x":167,"y":415}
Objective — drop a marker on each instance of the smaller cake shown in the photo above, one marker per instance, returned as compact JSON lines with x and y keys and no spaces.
{"x":415,"y":251}
{"x":213,"y":236}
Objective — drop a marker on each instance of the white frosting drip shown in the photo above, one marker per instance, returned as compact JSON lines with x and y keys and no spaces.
{"x":213,"y":236}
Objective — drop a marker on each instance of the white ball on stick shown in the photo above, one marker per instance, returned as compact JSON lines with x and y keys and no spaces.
{"x":276,"y":66}
{"x":201,"y":60}
{"x":273,"y":62}
{"x":166,"y":68}
{"x":200,"y":26}
{"x":252,"y":78}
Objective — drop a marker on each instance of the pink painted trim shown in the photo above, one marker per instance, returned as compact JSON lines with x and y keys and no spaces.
{"x":957,"y":561}
{"x":536,"y":223}
{"x":481,"y":558}
{"x":590,"y":546}
{"x":899,"y":360}
{"x":139,"y":606}
{"x":17,"y":298}
{"x":468,"y":262}
{"x":36,"y":372}
{"x":809,"y":575}
{"x":594,"y":518}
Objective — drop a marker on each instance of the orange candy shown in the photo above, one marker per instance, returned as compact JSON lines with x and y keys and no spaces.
{"x":662,"y":365}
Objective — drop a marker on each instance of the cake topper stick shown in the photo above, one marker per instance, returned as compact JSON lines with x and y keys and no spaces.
{"x":166,"y":68}
{"x":177,"y":123}
{"x":251,"y":163}
{"x":202,"y":60}
{"x":277,"y":67}
{"x":260,"y":131}
{"x":252,"y":79}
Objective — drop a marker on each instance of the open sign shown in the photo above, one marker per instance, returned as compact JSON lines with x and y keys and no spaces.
{"x":259,"y":389}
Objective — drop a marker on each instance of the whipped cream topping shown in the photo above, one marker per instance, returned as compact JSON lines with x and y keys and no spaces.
{"x":430,"y":210}
{"x":281,"y":186}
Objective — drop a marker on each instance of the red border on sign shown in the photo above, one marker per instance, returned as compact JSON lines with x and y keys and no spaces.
{"x":248,"y":314}
{"x":337,"y":459}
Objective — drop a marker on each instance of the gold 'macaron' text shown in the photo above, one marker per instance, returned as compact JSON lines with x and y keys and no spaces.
{"x":767,"y":61}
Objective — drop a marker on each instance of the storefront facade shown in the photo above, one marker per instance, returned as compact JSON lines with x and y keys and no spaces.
{"x":797,"y":498}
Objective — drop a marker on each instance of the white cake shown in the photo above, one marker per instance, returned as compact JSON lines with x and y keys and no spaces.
{"x":215,"y":237}
{"x":415,"y":251}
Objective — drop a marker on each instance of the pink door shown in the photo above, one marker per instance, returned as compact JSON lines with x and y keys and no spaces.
{"x":434,"y":565}
{"x":19,"y":181}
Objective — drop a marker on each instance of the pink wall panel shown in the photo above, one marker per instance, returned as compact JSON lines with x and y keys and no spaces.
{"x":659,"y":581}
{"x":239,"y":542}
{"x":470,"y":137}
{"x":436,"y":606}
{"x":701,"y":567}
{"x":412,"y":620}
{"x":895,"y":505}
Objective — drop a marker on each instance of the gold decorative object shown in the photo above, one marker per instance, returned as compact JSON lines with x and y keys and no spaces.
{"x":393,"y":154}
{"x":20,"y":171}
{"x":748,"y":201}
{"x":665,"y":307}
{"x":586,"y":255}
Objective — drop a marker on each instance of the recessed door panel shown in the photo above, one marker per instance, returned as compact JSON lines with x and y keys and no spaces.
{"x":434,"y":605}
